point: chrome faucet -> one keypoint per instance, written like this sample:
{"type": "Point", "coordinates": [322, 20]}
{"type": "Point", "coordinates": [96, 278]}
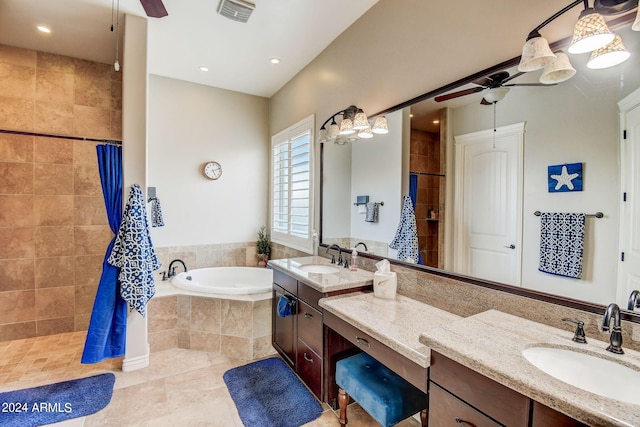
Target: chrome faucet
{"type": "Point", "coordinates": [171, 271]}
{"type": "Point", "coordinates": [363, 244]}
{"type": "Point", "coordinates": [333, 258]}
{"type": "Point", "coordinates": [634, 300]}
{"type": "Point", "coordinates": [615, 339]}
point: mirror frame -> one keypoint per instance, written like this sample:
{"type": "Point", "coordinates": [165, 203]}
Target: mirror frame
{"type": "Point", "coordinates": [625, 314]}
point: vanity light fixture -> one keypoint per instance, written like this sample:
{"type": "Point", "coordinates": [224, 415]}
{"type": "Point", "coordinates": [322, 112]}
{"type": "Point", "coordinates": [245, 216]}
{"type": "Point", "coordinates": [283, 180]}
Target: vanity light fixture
{"type": "Point", "coordinates": [353, 126]}
{"type": "Point", "coordinates": [590, 33]}
{"type": "Point", "coordinates": [612, 54]}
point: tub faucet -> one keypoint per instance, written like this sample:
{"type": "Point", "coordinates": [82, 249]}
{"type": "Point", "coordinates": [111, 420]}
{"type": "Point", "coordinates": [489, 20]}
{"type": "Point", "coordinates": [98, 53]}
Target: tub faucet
{"type": "Point", "coordinates": [333, 258]}
{"type": "Point", "coordinates": [363, 244]}
{"type": "Point", "coordinates": [615, 339]}
{"type": "Point", "coordinates": [634, 300]}
{"type": "Point", "coordinates": [171, 271]}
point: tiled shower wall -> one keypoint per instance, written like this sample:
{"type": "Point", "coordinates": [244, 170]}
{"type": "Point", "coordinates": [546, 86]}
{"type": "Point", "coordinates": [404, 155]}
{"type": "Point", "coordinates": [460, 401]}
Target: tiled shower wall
{"type": "Point", "coordinates": [53, 226]}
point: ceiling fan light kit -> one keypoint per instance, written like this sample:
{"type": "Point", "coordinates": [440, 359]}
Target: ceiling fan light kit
{"type": "Point", "coordinates": [496, 94]}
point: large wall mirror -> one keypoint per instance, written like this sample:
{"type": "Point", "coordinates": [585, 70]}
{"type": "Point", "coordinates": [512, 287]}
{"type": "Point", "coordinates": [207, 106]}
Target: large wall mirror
{"type": "Point", "coordinates": [577, 121]}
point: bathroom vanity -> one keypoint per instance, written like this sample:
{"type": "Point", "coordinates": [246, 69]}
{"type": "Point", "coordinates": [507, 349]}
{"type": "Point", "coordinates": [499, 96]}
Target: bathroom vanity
{"type": "Point", "coordinates": [302, 339]}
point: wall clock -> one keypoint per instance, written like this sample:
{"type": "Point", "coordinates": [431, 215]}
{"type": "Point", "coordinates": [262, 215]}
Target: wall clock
{"type": "Point", "coordinates": [212, 170]}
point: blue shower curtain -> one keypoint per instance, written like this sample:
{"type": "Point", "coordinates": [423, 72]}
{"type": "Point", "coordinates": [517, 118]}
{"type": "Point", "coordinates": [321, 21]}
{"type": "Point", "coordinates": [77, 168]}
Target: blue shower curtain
{"type": "Point", "coordinates": [107, 328]}
{"type": "Point", "coordinates": [413, 194]}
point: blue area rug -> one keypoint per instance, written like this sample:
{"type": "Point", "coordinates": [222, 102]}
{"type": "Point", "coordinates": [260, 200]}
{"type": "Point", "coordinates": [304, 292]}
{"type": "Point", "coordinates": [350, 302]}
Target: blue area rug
{"type": "Point", "coordinates": [53, 403]}
{"type": "Point", "coordinates": [268, 394]}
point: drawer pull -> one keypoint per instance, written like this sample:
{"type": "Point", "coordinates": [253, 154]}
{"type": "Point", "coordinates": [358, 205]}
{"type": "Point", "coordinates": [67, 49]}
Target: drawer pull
{"type": "Point", "coordinates": [363, 342]}
{"type": "Point", "coordinates": [463, 423]}
{"type": "Point", "coordinates": [307, 358]}
{"type": "Point", "coordinates": [308, 316]}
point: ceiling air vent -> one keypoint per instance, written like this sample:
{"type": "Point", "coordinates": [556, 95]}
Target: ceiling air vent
{"type": "Point", "coordinates": [238, 10]}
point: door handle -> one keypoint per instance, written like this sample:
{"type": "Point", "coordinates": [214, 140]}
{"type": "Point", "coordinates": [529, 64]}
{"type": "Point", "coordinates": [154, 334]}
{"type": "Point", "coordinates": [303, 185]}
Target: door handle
{"type": "Point", "coordinates": [307, 358]}
{"type": "Point", "coordinates": [511, 246]}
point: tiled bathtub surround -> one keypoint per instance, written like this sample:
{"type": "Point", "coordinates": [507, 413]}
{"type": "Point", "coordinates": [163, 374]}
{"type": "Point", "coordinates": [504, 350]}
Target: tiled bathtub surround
{"type": "Point", "coordinates": [239, 329]}
{"type": "Point", "coordinates": [53, 226]}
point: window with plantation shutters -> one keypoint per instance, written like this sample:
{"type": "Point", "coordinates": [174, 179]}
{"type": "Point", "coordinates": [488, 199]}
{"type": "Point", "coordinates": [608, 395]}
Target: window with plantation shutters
{"type": "Point", "coordinates": [291, 186]}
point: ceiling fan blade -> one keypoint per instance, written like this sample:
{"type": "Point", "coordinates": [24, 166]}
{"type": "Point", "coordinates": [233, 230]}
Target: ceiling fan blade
{"type": "Point", "coordinates": [154, 8]}
{"type": "Point", "coordinates": [458, 94]}
{"type": "Point", "coordinates": [530, 84]}
{"type": "Point", "coordinates": [493, 80]}
{"type": "Point", "coordinates": [513, 77]}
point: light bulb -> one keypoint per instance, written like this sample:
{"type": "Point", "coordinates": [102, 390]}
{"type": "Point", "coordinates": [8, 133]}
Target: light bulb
{"type": "Point", "coordinates": [116, 65]}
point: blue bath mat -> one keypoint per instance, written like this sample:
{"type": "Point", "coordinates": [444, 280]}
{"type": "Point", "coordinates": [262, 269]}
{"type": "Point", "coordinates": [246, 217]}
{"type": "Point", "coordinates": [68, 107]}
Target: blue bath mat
{"type": "Point", "coordinates": [53, 403]}
{"type": "Point", "coordinates": [268, 394]}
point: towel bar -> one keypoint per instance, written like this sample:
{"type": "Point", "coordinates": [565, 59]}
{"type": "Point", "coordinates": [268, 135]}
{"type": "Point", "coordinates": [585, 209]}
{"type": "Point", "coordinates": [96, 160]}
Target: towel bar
{"type": "Point", "coordinates": [377, 203]}
{"type": "Point", "coordinates": [597, 214]}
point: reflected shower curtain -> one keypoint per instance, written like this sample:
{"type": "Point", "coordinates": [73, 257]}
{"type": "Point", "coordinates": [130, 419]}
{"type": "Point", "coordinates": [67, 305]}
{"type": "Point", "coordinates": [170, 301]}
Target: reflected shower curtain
{"type": "Point", "coordinates": [413, 194]}
{"type": "Point", "coordinates": [108, 325]}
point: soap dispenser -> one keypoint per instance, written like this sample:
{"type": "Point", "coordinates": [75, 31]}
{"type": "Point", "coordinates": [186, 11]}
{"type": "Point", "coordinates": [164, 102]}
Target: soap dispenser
{"type": "Point", "coordinates": [354, 260]}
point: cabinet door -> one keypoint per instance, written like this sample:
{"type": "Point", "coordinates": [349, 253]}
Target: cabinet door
{"type": "Point", "coordinates": [446, 410]}
{"type": "Point", "coordinates": [284, 333]}
{"type": "Point", "coordinates": [543, 416]}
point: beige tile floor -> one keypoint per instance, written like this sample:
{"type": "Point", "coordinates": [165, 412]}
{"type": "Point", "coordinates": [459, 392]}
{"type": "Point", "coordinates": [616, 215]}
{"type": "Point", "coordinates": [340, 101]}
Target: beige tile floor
{"type": "Point", "coordinates": [178, 388]}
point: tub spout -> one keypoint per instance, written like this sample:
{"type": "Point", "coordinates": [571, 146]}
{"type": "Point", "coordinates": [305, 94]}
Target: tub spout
{"type": "Point", "coordinates": [171, 271]}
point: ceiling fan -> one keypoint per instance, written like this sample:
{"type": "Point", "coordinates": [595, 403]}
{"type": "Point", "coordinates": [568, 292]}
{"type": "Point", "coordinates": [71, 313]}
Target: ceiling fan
{"type": "Point", "coordinates": [154, 8]}
{"type": "Point", "coordinates": [496, 84]}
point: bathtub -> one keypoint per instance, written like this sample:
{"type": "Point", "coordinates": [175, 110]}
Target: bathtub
{"type": "Point", "coordinates": [226, 280]}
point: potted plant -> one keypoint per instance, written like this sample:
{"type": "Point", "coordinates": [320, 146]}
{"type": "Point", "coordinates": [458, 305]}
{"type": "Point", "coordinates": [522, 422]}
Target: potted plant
{"type": "Point", "coordinates": [263, 249]}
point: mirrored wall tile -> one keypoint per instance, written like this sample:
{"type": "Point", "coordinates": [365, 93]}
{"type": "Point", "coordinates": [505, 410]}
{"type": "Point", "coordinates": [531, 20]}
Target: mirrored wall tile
{"type": "Point", "coordinates": [91, 122]}
{"type": "Point", "coordinates": [53, 241]}
{"type": "Point", "coordinates": [17, 114]}
{"type": "Point", "coordinates": [91, 239]}
{"type": "Point", "coordinates": [55, 326]}
{"type": "Point", "coordinates": [16, 211]}
{"type": "Point", "coordinates": [16, 275]}
{"type": "Point", "coordinates": [17, 243]}
{"type": "Point", "coordinates": [116, 94]}
{"type": "Point", "coordinates": [93, 70]}
{"type": "Point", "coordinates": [93, 90]}
{"type": "Point", "coordinates": [55, 86]}
{"type": "Point", "coordinates": [116, 125]}
{"type": "Point", "coordinates": [53, 117]}
{"type": "Point", "coordinates": [53, 272]}
{"type": "Point", "coordinates": [53, 210]}
{"type": "Point", "coordinates": [16, 178]}
{"type": "Point", "coordinates": [89, 210]}
{"type": "Point", "coordinates": [16, 148]}
{"type": "Point", "coordinates": [53, 150]}
{"type": "Point", "coordinates": [52, 179]}
{"type": "Point", "coordinates": [17, 81]}
{"type": "Point", "coordinates": [17, 306]}
{"type": "Point", "coordinates": [54, 303]}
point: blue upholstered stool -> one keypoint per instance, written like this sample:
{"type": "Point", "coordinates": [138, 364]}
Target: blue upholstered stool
{"type": "Point", "coordinates": [386, 396]}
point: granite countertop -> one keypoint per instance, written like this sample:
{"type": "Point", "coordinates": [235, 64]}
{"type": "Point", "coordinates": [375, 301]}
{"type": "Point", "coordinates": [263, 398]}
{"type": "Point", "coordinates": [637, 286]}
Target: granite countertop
{"type": "Point", "coordinates": [323, 282]}
{"type": "Point", "coordinates": [491, 343]}
{"type": "Point", "coordinates": [397, 323]}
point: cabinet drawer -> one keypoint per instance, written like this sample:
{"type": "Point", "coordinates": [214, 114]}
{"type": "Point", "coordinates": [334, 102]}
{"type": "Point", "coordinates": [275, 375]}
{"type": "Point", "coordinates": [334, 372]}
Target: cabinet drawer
{"type": "Point", "coordinates": [445, 410]}
{"type": "Point", "coordinates": [497, 401]}
{"type": "Point", "coordinates": [310, 326]}
{"type": "Point", "coordinates": [309, 295]}
{"type": "Point", "coordinates": [285, 281]}
{"type": "Point", "coordinates": [407, 369]}
{"type": "Point", "coordinates": [544, 416]}
{"type": "Point", "coordinates": [309, 368]}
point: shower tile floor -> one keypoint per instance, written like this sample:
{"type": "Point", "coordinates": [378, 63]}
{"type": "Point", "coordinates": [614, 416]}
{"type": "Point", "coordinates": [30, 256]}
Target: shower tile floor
{"type": "Point", "coordinates": [178, 388]}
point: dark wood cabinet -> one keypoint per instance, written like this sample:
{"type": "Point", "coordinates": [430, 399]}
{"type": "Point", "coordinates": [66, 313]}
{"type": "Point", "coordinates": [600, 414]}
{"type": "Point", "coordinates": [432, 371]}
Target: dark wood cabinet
{"type": "Point", "coordinates": [284, 332]}
{"type": "Point", "coordinates": [461, 396]}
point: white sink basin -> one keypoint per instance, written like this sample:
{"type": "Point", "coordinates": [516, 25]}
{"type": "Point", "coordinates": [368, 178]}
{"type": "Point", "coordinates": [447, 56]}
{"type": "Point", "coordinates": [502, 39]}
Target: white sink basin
{"type": "Point", "coordinates": [588, 372]}
{"type": "Point", "coordinates": [319, 268]}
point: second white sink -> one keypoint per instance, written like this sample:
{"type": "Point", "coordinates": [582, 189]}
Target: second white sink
{"type": "Point", "coordinates": [319, 268]}
{"type": "Point", "coordinates": [588, 372]}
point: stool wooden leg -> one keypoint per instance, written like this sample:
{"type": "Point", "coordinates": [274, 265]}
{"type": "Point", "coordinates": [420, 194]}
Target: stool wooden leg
{"type": "Point", "coordinates": [343, 402]}
{"type": "Point", "coordinates": [423, 417]}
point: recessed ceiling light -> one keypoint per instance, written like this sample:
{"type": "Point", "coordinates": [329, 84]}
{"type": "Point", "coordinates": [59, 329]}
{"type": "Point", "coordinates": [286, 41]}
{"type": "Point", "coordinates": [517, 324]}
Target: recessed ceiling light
{"type": "Point", "coordinates": [435, 122]}
{"type": "Point", "coordinates": [274, 60]}
{"type": "Point", "coordinates": [203, 68]}
{"type": "Point", "coordinates": [43, 29]}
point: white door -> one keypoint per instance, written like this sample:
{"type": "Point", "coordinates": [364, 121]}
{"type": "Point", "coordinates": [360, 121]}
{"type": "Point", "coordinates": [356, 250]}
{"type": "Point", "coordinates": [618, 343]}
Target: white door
{"type": "Point", "coordinates": [488, 204]}
{"type": "Point", "coordinates": [629, 268]}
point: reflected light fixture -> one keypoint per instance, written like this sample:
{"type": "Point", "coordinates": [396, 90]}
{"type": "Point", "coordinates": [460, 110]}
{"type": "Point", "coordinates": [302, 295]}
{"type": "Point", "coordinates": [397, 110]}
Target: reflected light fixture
{"type": "Point", "coordinates": [44, 29]}
{"type": "Point", "coordinates": [353, 126]}
{"type": "Point", "coordinates": [612, 54]}
{"type": "Point", "coordinates": [496, 94]}
{"type": "Point", "coordinates": [558, 71]}
{"type": "Point", "coordinates": [590, 32]}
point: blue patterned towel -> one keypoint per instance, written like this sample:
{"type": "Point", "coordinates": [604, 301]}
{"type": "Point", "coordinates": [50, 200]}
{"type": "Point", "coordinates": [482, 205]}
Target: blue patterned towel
{"type": "Point", "coordinates": [406, 239]}
{"type": "Point", "coordinates": [561, 243]}
{"type": "Point", "coordinates": [156, 213]}
{"type": "Point", "coordinates": [134, 255]}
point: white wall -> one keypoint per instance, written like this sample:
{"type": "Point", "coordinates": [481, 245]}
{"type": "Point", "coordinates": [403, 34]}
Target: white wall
{"type": "Point", "coordinates": [190, 125]}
